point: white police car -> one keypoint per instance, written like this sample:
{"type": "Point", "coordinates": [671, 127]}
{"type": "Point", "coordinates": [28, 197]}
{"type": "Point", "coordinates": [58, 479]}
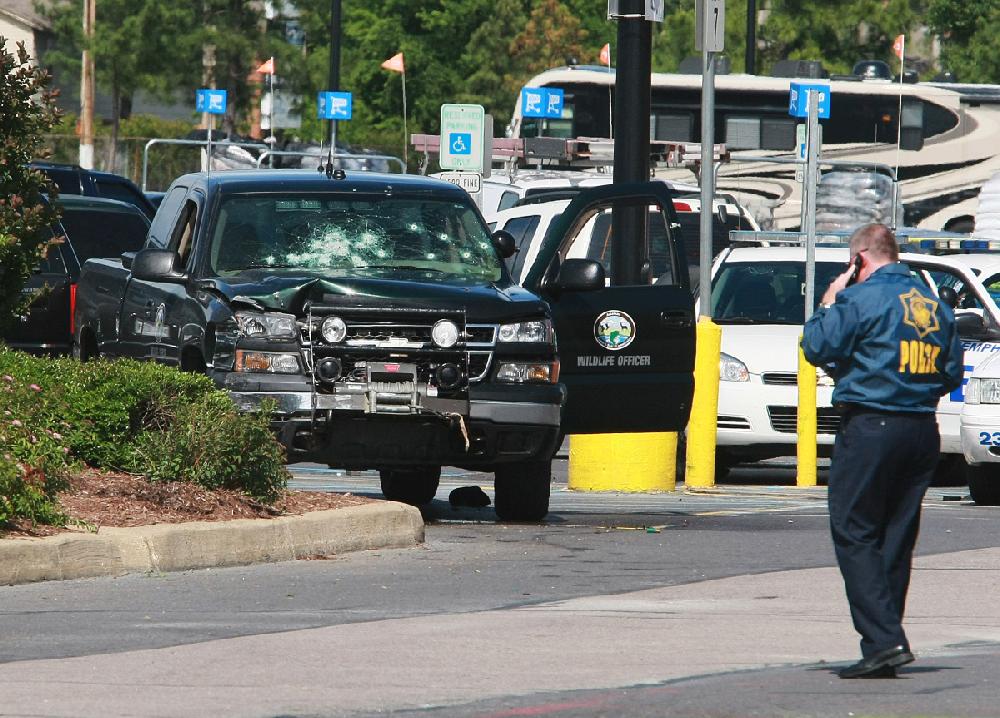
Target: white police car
{"type": "Point", "coordinates": [758, 299]}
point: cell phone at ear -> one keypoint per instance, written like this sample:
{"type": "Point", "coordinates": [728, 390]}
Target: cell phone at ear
{"type": "Point", "coordinates": [855, 270]}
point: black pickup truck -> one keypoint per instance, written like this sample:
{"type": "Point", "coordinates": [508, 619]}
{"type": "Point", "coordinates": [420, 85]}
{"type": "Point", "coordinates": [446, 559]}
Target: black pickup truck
{"type": "Point", "coordinates": [376, 313]}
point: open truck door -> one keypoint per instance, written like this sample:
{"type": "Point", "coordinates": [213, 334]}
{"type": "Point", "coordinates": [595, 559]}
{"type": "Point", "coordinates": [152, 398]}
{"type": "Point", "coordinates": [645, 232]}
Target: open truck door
{"type": "Point", "coordinates": [626, 352]}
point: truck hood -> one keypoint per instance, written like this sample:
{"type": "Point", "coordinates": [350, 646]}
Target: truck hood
{"type": "Point", "coordinates": [290, 293]}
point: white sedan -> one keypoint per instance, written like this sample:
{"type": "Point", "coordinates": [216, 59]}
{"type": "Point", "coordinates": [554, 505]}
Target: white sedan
{"type": "Point", "coordinates": [758, 299]}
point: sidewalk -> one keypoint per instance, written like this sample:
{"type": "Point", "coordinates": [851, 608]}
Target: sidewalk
{"type": "Point", "coordinates": [790, 620]}
{"type": "Point", "coordinates": [184, 546]}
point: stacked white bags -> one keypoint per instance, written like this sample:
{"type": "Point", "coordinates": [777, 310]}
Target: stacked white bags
{"type": "Point", "coordinates": [845, 200]}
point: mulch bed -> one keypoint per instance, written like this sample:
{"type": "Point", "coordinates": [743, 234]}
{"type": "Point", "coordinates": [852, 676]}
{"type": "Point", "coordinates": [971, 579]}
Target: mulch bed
{"type": "Point", "coordinates": [99, 498]}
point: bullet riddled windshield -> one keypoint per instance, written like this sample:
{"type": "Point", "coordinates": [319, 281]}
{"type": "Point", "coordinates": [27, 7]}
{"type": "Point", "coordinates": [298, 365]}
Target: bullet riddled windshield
{"type": "Point", "coordinates": [404, 238]}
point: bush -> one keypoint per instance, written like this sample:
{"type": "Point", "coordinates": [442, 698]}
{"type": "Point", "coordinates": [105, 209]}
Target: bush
{"type": "Point", "coordinates": [210, 443]}
{"type": "Point", "coordinates": [34, 461]}
{"type": "Point", "coordinates": [127, 415]}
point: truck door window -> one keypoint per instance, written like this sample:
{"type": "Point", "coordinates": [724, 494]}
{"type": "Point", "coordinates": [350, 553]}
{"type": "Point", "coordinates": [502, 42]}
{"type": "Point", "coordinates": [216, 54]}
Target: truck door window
{"type": "Point", "coordinates": [164, 222]}
{"type": "Point", "coordinates": [183, 234]}
{"type": "Point", "coordinates": [599, 242]}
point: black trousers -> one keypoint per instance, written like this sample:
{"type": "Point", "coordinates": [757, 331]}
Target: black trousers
{"type": "Point", "coordinates": [882, 465]}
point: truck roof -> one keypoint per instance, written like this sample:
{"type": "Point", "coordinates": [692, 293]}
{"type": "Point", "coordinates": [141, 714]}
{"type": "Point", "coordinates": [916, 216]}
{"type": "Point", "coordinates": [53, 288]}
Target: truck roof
{"type": "Point", "coordinates": [236, 181]}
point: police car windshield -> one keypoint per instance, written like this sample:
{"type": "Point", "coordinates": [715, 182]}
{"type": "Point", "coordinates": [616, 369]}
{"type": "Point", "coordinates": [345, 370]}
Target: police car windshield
{"type": "Point", "coordinates": [766, 292]}
{"type": "Point", "coordinates": [387, 237]}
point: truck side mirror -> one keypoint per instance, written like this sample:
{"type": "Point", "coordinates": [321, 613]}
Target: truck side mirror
{"type": "Point", "coordinates": [156, 265]}
{"type": "Point", "coordinates": [505, 243]}
{"type": "Point", "coordinates": [580, 275]}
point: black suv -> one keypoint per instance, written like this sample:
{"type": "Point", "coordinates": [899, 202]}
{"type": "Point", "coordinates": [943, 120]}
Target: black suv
{"type": "Point", "coordinates": [73, 179]}
{"type": "Point", "coordinates": [93, 227]}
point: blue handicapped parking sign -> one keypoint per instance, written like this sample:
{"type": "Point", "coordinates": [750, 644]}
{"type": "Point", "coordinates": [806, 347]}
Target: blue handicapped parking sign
{"type": "Point", "coordinates": [460, 143]}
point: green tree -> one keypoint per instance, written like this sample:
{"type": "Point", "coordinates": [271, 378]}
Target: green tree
{"type": "Point", "coordinates": [968, 31]}
{"type": "Point", "coordinates": [674, 38]}
{"type": "Point", "coordinates": [28, 113]}
{"type": "Point", "coordinates": [838, 32]}
{"type": "Point", "coordinates": [133, 46]}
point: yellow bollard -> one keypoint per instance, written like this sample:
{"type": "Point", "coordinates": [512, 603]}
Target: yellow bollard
{"type": "Point", "coordinates": [623, 462]}
{"type": "Point", "coordinates": [806, 423]}
{"type": "Point", "coordinates": [700, 463]}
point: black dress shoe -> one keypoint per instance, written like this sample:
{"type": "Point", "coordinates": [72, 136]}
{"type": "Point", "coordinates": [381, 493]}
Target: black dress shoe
{"type": "Point", "coordinates": [879, 665]}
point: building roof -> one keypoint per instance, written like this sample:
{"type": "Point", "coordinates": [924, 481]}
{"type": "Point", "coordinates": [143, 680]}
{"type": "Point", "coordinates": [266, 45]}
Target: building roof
{"type": "Point", "coordinates": [24, 10]}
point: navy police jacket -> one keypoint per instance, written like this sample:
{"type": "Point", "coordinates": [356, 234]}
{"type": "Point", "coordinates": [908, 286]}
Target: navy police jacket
{"type": "Point", "coordinates": [892, 344]}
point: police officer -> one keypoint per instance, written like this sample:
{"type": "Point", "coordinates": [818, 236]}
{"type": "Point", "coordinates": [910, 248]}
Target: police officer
{"type": "Point", "coordinates": [892, 348]}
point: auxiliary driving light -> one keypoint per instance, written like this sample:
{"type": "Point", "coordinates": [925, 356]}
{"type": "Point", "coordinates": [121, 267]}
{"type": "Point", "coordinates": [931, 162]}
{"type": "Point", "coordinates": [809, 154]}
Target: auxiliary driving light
{"type": "Point", "coordinates": [448, 376]}
{"type": "Point", "coordinates": [445, 333]}
{"type": "Point", "coordinates": [329, 370]}
{"type": "Point", "coordinates": [333, 329]}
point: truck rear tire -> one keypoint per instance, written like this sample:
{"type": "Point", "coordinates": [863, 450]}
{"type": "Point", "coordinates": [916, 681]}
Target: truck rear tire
{"type": "Point", "coordinates": [984, 484]}
{"type": "Point", "coordinates": [411, 486]}
{"type": "Point", "coordinates": [522, 490]}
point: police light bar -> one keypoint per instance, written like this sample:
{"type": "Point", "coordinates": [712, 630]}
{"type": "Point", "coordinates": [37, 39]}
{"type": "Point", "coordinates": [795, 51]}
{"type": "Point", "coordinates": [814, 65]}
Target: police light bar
{"type": "Point", "coordinates": [955, 244]}
{"type": "Point", "coordinates": [766, 238]}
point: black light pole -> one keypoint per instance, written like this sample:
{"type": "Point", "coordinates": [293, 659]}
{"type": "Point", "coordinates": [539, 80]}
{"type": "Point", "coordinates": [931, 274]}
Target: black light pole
{"type": "Point", "coordinates": [751, 52]}
{"type": "Point", "coordinates": [631, 115]}
{"type": "Point", "coordinates": [333, 83]}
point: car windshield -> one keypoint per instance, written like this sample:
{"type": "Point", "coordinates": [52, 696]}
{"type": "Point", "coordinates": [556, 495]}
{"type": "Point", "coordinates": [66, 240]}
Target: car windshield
{"type": "Point", "coordinates": [766, 292]}
{"type": "Point", "coordinates": [384, 237]}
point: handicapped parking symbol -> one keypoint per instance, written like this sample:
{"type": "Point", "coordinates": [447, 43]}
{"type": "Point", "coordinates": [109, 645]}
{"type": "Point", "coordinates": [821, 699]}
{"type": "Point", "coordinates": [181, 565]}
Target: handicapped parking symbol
{"type": "Point", "coordinates": [460, 143]}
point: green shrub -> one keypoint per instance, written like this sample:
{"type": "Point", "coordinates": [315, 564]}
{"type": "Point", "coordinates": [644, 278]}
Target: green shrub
{"type": "Point", "coordinates": [210, 443]}
{"type": "Point", "coordinates": [34, 458]}
{"type": "Point", "coordinates": [140, 417]}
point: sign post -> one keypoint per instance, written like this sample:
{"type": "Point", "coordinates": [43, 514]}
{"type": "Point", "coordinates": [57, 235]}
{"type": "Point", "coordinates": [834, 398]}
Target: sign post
{"type": "Point", "coordinates": [811, 101]}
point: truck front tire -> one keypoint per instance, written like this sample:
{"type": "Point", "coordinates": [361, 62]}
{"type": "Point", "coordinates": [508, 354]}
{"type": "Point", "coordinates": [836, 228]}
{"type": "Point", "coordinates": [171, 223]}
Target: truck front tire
{"type": "Point", "coordinates": [522, 490]}
{"type": "Point", "coordinates": [410, 486]}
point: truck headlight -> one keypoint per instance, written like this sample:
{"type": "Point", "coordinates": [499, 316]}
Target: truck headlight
{"type": "Point", "coordinates": [267, 362]}
{"type": "Point", "coordinates": [982, 391]}
{"type": "Point", "coordinates": [528, 373]}
{"type": "Point", "coordinates": [537, 331]}
{"type": "Point", "coordinates": [732, 369]}
{"type": "Point", "coordinates": [267, 325]}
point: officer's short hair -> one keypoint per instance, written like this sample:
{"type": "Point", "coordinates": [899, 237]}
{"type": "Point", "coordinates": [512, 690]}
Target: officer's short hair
{"type": "Point", "coordinates": [876, 239]}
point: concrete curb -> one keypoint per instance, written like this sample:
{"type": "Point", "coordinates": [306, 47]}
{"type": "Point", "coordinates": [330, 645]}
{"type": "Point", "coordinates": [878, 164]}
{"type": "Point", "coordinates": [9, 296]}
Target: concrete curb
{"type": "Point", "coordinates": [179, 547]}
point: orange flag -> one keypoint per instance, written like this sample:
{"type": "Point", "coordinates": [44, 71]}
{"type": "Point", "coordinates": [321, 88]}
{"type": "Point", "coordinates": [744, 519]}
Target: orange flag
{"type": "Point", "coordinates": [395, 63]}
{"type": "Point", "coordinates": [606, 54]}
{"type": "Point", "coordinates": [267, 68]}
{"type": "Point", "coordinates": [898, 46]}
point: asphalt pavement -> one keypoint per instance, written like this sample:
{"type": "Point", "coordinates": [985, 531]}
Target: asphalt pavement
{"type": "Point", "coordinates": [755, 643]}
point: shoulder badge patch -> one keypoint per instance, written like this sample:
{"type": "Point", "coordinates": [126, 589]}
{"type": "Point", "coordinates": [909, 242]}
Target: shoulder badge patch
{"type": "Point", "coordinates": [920, 312]}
